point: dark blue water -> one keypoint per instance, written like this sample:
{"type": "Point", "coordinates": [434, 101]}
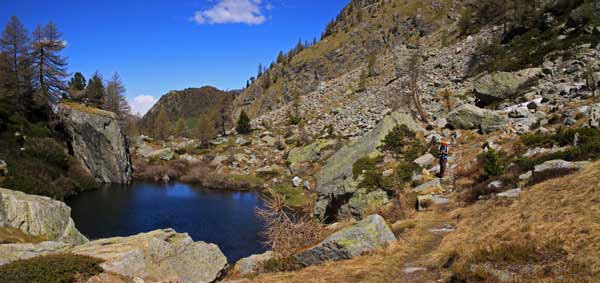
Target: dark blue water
{"type": "Point", "coordinates": [224, 218]}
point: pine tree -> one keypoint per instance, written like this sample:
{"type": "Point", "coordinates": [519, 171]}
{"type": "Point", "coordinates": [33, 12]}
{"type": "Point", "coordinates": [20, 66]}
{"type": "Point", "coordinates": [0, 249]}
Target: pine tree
{"type": "Point", "coordinates": [14, 43]}
{"type": "Point", "coordinates": [95, 91]}
{"type": "Point", "coordinates": [115, 100]}
{"type": "Point", "coordinates": [50, 68]}
{"type": "Point", "coordinates": [243, 124]}
{"type": "Point", "coordinates": [77, 82]}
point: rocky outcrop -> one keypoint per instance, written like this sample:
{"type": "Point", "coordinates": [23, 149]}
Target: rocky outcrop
{"type": "Point", "coordinates": [471, 117]}
{"type": "Point", "coordinates": [252, 264]}
{"type": "Point", "coordinates": [335, 183]}
{"type": "Point", "coordinates": [366, 235]}
{"type": "Point", "coordinates": [98, 141]}
{"type": "Point", "coordinates": [502, 85]}
{"type": "Point", "coordinates": [38, 216]}
{"type": "Point", "coordinates": [158, 255]}
{"type": "Point", "coordinates": [14, 252]}
{"type": "Point", "coordinates": [559, 165]}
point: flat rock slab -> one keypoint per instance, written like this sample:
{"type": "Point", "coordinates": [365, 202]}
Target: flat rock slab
{"type": "Point", "coordinates": [158, 255]}
{"type": "Point", "coordinates": [14, 252]}
{"type": "Point", "coordinates": [367, 235]}
{"type": "Point", "coordinates": [433, 186]}
{"type": "Point", "coordinates": [558, 165]}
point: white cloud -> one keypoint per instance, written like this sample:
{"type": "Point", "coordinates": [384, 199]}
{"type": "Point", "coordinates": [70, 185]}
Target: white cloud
{"type": "Point", "coordinates": [141, 104]}
{"type": "Point", "coordinates": [233, 12]}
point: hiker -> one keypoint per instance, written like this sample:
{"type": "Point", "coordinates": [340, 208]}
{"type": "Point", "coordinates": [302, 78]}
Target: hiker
{"type": "Point", "coordinates": [443, 155]}
{"type": "Point", "coordinates": [20, 141]}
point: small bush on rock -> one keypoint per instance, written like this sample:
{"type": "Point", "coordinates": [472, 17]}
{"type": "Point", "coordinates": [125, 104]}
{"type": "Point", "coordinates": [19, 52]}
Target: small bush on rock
{"type": "Point", "coordinates": [399, 137]}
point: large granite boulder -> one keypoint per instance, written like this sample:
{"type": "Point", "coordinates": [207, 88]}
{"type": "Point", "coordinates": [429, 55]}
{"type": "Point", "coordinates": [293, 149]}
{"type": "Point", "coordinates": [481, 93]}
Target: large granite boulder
{"type": "Point", "coordinates": [498, 86]}
{"type": "Point", "coordinates": [157, 256]}
{"type": "Point", "coordinates": [471, 117]}
{"type": "Point", "coordinates": [252, 264]}
{"type": "Point", "coordinates": [38, 216]}
{"type": "Point", "coordinates": [367, 235]}
{"type": "Point", "coordinates": [14, 252]}
{"type": "Point", "coordinates": [335, 185]}
{"type": "Point", "coordinates": [96, 139]}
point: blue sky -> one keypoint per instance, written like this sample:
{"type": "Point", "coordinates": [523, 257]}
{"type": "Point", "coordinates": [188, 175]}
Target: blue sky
{"type": "Point", "coordinates": [161, 45]}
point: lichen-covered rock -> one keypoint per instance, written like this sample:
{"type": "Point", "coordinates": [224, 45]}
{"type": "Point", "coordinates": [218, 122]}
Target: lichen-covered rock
{"type": "Point", "coordinates": [311, 152]}
{"type": "Point", "coordinates": [158, 255]}
{"type": "Point", "coordinates": [501, 85]}
{"type": "Point", "coordinates": [426, 160]}
{"type": "Point", "coordinates": [471, 117]}
{"type": "Point", "coordinates": [97, 140]}
{"type": "Point", "coordinates": [559, 165]}
{"type": "Point", "coordinates": [335, 183]}
{"type": "Point", "coordinates": [162, 154]}
{"type": "Point", "coordinates": [367, 235]}
{"type": "Point", "coordinates": [363, 200]}
{"type": "Point", "coordinates": [14, 252]}
{"type": "Point", "coordinates": [252, 264]}
{"type": "Point", "coordinates": [38, 216]}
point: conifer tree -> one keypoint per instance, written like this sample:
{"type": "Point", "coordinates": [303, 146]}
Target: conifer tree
{"type": "Point", "coordinates": [243, 124]}
{"type": "Point", "coordinates": [77, 82]}
{"type": "Point", "coordinates": [95, 91]}
{"type": "Point", "coordinates": [14, 43]}
{"type": "Point", "coordinates": [115, 100]}
{"type": "Point", "coordinates": [50, 68]}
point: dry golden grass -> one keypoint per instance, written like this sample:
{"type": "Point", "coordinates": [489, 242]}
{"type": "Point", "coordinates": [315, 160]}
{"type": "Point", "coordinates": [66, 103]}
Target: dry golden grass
{"type": "Point", "coordinates": [10, 235]}
{"type": "Point", "coordinates": [377, 267]}
{"type": "Point", "coordinates": [564, 210]}
{"type": "Point", "coordinates": [87, 109]}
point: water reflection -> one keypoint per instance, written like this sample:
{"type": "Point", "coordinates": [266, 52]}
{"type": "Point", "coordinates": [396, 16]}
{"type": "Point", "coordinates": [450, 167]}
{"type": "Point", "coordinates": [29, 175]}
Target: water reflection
{"type": "Point", "coordinates": [224, 218]}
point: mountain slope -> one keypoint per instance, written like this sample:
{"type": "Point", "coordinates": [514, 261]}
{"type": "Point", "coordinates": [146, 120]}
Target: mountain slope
{"type": "Point", "coordinates": [349, 42]}
{"type": "Point", "coordinates": [188, 104]}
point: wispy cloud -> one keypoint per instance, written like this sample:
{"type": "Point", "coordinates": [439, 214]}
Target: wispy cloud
{"type": "Point", "coordinates": [141, 104]}
{"type": "Point", "coordinates": [233, 12]}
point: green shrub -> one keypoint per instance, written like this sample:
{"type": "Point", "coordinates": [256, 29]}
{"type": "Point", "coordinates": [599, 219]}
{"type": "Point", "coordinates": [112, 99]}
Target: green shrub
{"type": "Point", "coordinates": [494, 163]}
{"type": "Point", "coordinates": [293, 119]}
{"type": "Point", "coordinates": [405, 171]}
{"type": "Point", "coordinates": [60, 268]}
{"type": "Point", "coordinates": [399, 137]}
{"type": "Point", "coordinates": [39, 130]}
{"type": "Point", "coordinates": [243, 125]}
{"type": "Point", "coordinates": [49, 151]}
{"type": "Point", "coordinates": [365, 164]}
{"type": "Point", "coordinates": [588, 146]}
